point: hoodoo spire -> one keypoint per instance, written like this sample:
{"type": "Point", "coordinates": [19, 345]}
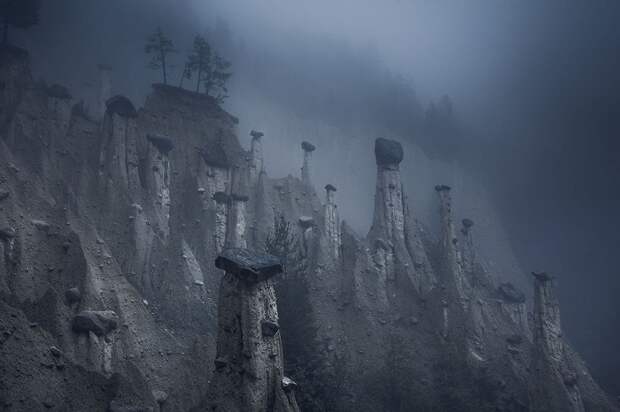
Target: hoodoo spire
{"type": "Point", "coordinates": [307, 148]}
{"type": "Point", "coordinates": [249, 366]}
{"type": "Point", "coordinates": [256, 155]}
{"type": "Point", "coordinates": [239, 195]}
{"type": "Point", "coordinates": [332, 221]}
{"type": "Point", "coordinates": [555, 386]}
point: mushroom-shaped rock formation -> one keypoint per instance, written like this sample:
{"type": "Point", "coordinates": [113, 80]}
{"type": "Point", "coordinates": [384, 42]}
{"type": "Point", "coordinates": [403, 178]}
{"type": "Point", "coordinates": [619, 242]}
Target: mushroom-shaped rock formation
{"type": "Point", "coordinates": [388, 152]}
{"type": "Point", "coordinates": [248, 373]}
{"type": "Point", "coordinates": [256, 134]}
{"type": "Point", "coordinates": [308, 148]}
{"type": "Point", "coordinates": [442, 188]}
{"type": "Point", "coordinates": [542, 276]}
{"type": "Point", "coordinates": [467, 223]}
{"type": "Point", "coordinates": [163, 144]}
{"type": "Point", "coordinates": [330, 188]}
{"type": "Point", "coordinates": [121, 106]}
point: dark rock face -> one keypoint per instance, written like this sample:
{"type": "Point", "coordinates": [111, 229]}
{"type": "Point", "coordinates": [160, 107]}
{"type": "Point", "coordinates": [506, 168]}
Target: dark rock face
{"type": "Point", "coordinates": [388, 152]}
{"type": "Point", "coordinates": [98, 322]}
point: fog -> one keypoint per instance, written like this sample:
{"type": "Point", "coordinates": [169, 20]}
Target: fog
{"type": "Point", "coordinates": [534, 87]}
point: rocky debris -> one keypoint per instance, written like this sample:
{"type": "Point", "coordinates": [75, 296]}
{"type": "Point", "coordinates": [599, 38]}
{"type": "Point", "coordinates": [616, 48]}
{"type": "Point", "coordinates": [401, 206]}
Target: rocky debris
{"type": "Point", "coordinates": [510, 293]}
{"type": "Point", "coordinates": [121, 106]}
{"type": "Point", "coordinates": [55, 351]}
{"type": "Point", "coordinates": [163, 144]}
{"type": "Point", "coordinates": [58, 92]}
{"type": "Point", "coordinates": [98, 322]}
{"type": "Point", "coordinates": [388, 152]}
{"type": "Point", "coordinates": [248, 366]}
{"type": "Point", "coordinates": [248, 266]}
{"type": "Point", "coordinates": [73, 295]}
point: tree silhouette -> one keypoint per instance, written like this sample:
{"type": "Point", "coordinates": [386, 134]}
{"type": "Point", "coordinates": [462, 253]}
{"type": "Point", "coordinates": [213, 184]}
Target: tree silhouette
{"type": "Point", "coordinates": [18, 13]}
{"type": "Point", "coordinates": [212, 69]}
{"type": "Point", "coordinates": [160, 47]}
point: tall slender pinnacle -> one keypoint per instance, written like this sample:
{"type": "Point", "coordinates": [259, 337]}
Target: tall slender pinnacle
{"type": "Point", "coordinates": [555, 385]}
{"type": "Point", "coordinates": [256, 155]}
{"type": "Point", "coordinates": [332, 221]}
{"type": "Point", "coordinates": [105, 88]}
{"type": "Point", "coordinates": [389, 215]}
{"type": "Point", "coordinates": [237, 215]}
{"type": "Point", "coordinates": [307, 148]}
{"type": "Point", "coordinates": [249, 365]}
{"type": "Point", "coordinates": [451, 253]}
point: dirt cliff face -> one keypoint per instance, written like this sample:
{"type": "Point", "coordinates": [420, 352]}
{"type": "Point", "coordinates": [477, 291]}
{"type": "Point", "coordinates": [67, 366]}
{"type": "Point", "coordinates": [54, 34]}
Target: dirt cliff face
{"type": "Point", "coordinates": [109, 230]}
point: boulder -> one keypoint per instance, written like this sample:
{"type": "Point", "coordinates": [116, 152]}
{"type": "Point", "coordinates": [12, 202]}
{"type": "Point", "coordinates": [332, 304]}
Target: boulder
{"type": "Point", "coordinates": [221, 197]}
{"type": "Point", "coordinates": [388, 152]}
{"type": "Point", "coordinates": [247, 265]}
{"type": "Point", "coordinates": [306, 221]}
{"type": "Point", "coordinates": [330, 188]}
{"type": "Point", "coordinates": [442, 188]}
{"type": "Point", "coordinates": [4, 194]}
{"type": "Point", "coordinates": [269, 328]}
{"type": "Point", "coordinates": [121, 106]}
{"type": "Point", "coordinates": [307, 146]}
{"type": "Point", "coordinates": [98, 322]}
{"type": "Point", "coordinates": [256, 134]}
{"type": "Point", "coordinates": [467, 223]}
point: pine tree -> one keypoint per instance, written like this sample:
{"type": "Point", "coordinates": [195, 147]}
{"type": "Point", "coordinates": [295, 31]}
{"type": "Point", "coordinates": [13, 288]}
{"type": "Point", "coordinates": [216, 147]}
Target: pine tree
{"type": "Point", "coordinates": [211, 68]}
{"type": "Point", "coordinates": [18, 13]}
{"type": "Point", "coordinates": [160, 47]}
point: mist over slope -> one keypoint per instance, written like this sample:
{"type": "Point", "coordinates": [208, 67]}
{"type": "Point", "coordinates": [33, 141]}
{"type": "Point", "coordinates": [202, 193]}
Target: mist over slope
{"type": "Point", "coordinates": [535, 87]}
